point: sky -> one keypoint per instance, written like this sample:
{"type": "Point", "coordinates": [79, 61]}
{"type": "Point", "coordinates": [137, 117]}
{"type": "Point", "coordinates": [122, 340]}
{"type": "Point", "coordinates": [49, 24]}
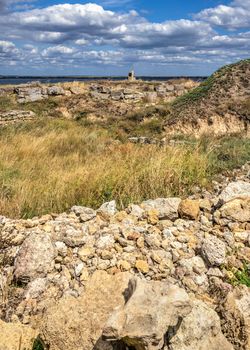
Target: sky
{"type": "Point", "coordinates": [109, 37]}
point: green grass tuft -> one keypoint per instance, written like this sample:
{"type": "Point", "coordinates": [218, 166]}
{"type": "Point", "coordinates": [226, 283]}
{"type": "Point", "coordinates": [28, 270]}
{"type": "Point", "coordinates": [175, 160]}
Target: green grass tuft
{"type": "Point", "coordinates": [38, 345]}
{"type": "Point", "coordinates": [241, 276]}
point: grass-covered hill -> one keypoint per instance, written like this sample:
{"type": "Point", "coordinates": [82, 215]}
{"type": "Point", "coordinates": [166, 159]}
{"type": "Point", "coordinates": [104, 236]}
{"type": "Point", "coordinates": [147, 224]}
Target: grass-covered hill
{"type": "Point", "coordinates": [221, 103]}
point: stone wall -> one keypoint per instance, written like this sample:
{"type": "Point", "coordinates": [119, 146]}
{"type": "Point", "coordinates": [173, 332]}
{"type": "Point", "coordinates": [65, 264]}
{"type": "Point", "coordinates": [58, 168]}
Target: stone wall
{"type": "Point", "coordinates": [14, 116]}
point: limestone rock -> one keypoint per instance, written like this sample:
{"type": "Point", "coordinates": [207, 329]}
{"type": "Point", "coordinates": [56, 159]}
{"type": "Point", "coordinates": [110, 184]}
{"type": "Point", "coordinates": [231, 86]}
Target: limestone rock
{"type": "Point", "coordinates": [236, 210]}
{"type": "Point", "coordinates": [35, 257]}
{"type": "Point", "coordinates": [15, 336]}
{"type": "Point", "coordinates": [142, 266]}
{"type": "Point", "coordinates": [236, 314]}
{"type": "Point", "coordinates": [214, 250]}
{"type": "Point", "coordinates": [151, 308]}
{"type": "Point", "coordinates": [234, 190]}
{"type": "Point", "coordinates": [189, 209]}
{"type": "Point", "coordinates": [76, 324]}
{"type": "Point", "coordinates": [200, 329]}
{"type": "Point", "coordinates": [107, 209]}
{"type": "Point", "coordinates": [55, 90]}
{"type": "Point", "coordinates": [77, 90]}
{"type": "Point", "coordinates": [73, 237]}
{"type": "Point", "coordinates": [194, 264]}
{"type": "Point", "coordinates": [167, 207]}
{"type": "Point", "coordinates": [84, 213]}
{"type": "Point", "coordinates": [30, 93]}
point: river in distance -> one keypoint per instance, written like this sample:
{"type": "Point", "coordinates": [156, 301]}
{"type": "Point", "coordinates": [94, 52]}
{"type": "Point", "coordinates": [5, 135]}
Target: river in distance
{"type": "Point", "coordinates": [16, 80]}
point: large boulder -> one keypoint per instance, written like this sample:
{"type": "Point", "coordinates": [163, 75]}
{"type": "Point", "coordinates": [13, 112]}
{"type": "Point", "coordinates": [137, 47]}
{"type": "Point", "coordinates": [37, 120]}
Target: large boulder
{"type": "Point", "coordinates": [199, 330]}
{"type": "Point", "coordinates": [152, 308]}
{"type": "Point", "coordinates": [77, 323]}
{"type": "Point", "coordinates": [15, 336]}
{"type": "Point", "coordinates": [35, 257]}
{"type": "Point", "coordinates": [167, 208]}
{"type": "Point", "coordinates": [235, 190]}
{"type": "Point", "coordinates": [30, 93]}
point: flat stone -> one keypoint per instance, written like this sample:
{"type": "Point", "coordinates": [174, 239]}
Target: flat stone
{"type": "Point", "coordinates": [235, 190]}
{"type": "Point", "coordinates": [84, 213]}
{"type": "Point", "coordinates": [166, 207]}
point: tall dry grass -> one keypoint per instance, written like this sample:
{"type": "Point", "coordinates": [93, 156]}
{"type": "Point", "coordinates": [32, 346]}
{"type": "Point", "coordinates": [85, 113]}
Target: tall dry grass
{"type": "Point", "coordinates": [48, 166]}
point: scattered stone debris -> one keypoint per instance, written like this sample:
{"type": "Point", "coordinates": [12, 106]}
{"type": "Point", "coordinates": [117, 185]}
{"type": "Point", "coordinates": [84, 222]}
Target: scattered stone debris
{"type": "Point", "coordinates": [88, 272]}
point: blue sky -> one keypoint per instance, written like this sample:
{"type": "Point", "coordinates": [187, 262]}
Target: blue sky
{"type": "Point", "coordinates": [107, 37]}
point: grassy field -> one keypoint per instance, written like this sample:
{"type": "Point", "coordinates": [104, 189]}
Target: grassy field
{"type": "Point", "coordinates": [49, 165]}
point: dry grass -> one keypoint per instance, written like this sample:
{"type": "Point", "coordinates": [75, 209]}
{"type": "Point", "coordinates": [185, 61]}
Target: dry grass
{"type": "Point", "coordinates": [50, 165]}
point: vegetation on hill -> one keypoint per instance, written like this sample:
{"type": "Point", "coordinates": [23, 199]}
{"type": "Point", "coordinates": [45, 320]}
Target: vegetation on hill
{"type": "Point", "coordinates": [52, 163]}
{"type": "Point", "coordinates": [49, 165]}
{"type": "Point", "coordinates": [226, 87]}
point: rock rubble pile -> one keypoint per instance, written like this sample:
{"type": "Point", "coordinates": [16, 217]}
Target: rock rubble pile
{"type": "Point", "coordinates": [159, 275]}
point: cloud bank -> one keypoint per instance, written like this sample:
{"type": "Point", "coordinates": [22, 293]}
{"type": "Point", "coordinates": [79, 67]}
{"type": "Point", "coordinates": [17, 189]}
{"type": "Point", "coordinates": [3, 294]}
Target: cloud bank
{"type": "Point", "coordinates": [87, 36]}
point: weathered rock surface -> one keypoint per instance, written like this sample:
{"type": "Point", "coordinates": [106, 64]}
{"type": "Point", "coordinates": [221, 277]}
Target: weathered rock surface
{"type": "Point", "coordinates": [236, 210]}
{"type": "Point", "coordinates": [144, 320]}
{"type": "Point", "coordinates": [77, 323]}
{"type": "Point", "coordinates": [55, 91]}
{"type": "Point", "coordinates": [189, 209]}
{"type": "Point", "coordinates": [15, 336]}
{"type": "Point", "coordinates": [35, 258]}
{"type": "Point", "coordinates": [236, 314]}
{"type": "Point", "coordinates": [214, 250]}
{"type": "Point", "coordinates": [167, 208]}
{"type": "Point", "coordinates": [84, 213]}
{"type": "Point", "coordinates": [30, 93]}
{"type": "Point", "coordinates": [108, 209]}
{"type": "Point", "coordinates": [234, 190]}
{"type": "Point", "coordinates": [200, 329]}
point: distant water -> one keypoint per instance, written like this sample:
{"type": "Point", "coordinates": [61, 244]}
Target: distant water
{"type": "Point", "coordinates": [15, 80]}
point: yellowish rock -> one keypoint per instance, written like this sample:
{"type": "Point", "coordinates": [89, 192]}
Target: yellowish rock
{"type": "Point", "coordinates": [153, 216]}
{"type": "Point", "coordinates": [142, 266]}
{"type": "Point", "coordinates": [118, 248]}
{"type": "Point", "coordinates": [140, 242]}
{"type": "Point", "coordinates": [189, 209]}
{"type": "Point", "coordinates": [86, 252]}
{"type": "Point", "coordinates": [121, 215]}
{"type": "Point", "coordinates": [15, 336]}
{"type": "Point", "coordinates": [124, 265]}
{"type": "Point", "coordinates": [84, 275]}
{"type": "Point", "coordinates": [107, 255]}
{"type": "Point", "coordinates": [156, 257]}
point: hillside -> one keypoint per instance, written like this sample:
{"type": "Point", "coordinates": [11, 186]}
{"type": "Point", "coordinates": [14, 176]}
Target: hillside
{"type": "Point", "coordinates": [113, 237]}
{"type": "Point", "coordinates": [219, 105]}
